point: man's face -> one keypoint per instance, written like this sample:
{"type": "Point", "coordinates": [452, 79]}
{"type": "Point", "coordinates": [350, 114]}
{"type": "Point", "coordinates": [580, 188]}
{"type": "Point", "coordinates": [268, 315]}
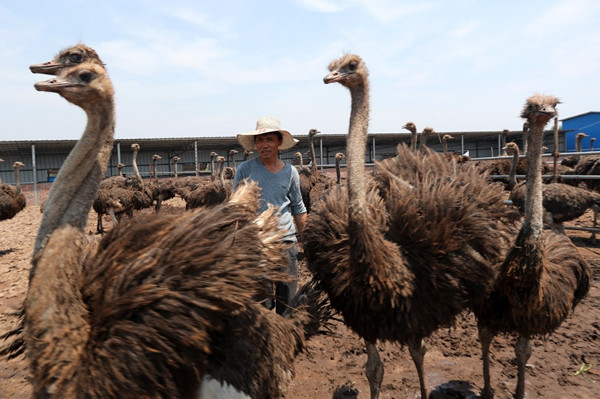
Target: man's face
{"type": "Point", "coordinates": [267, 144]}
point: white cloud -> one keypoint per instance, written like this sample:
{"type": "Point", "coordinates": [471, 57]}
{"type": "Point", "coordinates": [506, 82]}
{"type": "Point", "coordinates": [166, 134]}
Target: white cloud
{"type": "Point", "coordinates": [324, 6]}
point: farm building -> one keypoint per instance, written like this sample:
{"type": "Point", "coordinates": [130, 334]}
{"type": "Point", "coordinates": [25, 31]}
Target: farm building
{"type": "Point", "coordinates": [588, 123]}
{"type": "Point", "coordinates": [43, 158]}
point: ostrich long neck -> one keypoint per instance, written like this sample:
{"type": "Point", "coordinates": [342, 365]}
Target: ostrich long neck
{"type": "Point", "coordinates": [135, 166]}
{"type": "Point", "coordinates": [313, 156]}
{"type": "Point", "coordinates": [413, 140]}
{"type": "Point", "coordinates": [56, 335]}
{"type": "Point", "coordinates": [175, 169]}
{"type": "Point", "coordinates": [533, 205]}
{"type": "Point", "coordinates": [356, 151]}
{"type": "Point", "coordinates": [512, 177]}
{"type": "Point", "coordinates": [74, 189]}
{"type": "Point", "coordinates": [17, 180]}
{"type": "Point", "coordinates": [212, 168]}
{"type": "Point", "coordinates": [155, 169]}
{"type": "Point", "coordinates": [338, 173]}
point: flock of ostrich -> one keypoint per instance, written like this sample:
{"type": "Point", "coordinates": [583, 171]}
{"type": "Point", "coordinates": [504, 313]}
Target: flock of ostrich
{"type": "Point", "coordinates": [166, 306]}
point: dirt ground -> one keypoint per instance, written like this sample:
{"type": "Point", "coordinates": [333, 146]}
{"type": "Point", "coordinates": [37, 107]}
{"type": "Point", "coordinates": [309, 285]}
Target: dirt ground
{"type": "Point", "coordinates": [557, 367]}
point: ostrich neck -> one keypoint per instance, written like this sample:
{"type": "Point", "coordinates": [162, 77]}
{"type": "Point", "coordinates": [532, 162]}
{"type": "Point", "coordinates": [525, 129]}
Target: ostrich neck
{"type": "Point", "coordinates": [212, 169]}
{"type": "Point", "coordinates": [534, 211]}
{"type": "Point", "coordinates": [175, 170]}
{"type": "Point", "coordinates": [54, 334]}
{"type": "Point", "coordinates": [512, 178]}
{"type": "Point", "coordinates": [413, 141]}
{"type": "Point", "coordinates": [313, 156]}
{"type": "Point", "coordinates": [221, 177]}
{"type": "Point", "coordinates": [423, 143]}
{"type": "Point", "coordinates": [154, 168]}
{"type": "Point", "coordinates": [356, 150]}
{"type": "Point", "coordinates": [76, 184]}
{"type": "Point", "coordinates": [17, 181]}
{"type": "Point", "coordinates": [338, 173]}
{"type": "Point", "coordinates": [135, 166]}
{"type": "Point", "coordinates": [445, 147]}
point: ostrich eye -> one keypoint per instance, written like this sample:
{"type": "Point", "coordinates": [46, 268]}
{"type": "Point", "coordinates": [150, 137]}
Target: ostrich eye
{"type": "Point", "coordinates": [76, 57]}
{"type": "Point", "coordinates": [352, 67]}
{"type": "Point", "coordinates": [86, 77]}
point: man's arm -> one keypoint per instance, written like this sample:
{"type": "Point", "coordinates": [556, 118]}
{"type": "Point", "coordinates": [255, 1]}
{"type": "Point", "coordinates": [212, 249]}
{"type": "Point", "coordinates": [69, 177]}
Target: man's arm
{"type": "Point", "coordinates": [300, 221]}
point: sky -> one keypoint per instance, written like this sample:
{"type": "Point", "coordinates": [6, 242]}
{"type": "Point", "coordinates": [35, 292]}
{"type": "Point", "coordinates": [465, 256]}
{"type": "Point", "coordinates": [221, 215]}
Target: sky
{"type": "Point", "coordinates": [212, 68]}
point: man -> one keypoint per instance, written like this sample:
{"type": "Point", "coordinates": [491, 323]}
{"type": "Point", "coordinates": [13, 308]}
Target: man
{"type": "Point", "coordinates": [280, 186]}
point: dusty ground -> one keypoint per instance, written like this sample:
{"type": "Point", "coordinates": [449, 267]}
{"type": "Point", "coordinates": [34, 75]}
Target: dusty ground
{"type": "Point", "coordinates": [453, 357]}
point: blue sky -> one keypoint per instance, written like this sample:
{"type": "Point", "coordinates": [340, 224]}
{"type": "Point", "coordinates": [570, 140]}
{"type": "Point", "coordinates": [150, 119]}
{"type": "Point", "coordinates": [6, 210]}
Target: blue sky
{"type": "Point", "coordinates": [212, 68]}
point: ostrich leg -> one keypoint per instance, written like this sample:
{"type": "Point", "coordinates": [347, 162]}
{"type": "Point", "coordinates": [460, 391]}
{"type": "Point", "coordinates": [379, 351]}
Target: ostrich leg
{"type": "Point", "coordinates": [523, 352]}
{"type": "Point", "coordinates": [374, 369]}
{"type": "Point", "coordinates": [417, 350]}
{"type": "Point", "coordinates": [485, 337]}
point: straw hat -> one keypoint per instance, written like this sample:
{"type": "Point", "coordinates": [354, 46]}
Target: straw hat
{"type": "Point", "coordinates": [266, 124]}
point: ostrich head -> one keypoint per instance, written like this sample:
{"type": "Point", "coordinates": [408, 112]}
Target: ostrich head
{"type": "Point", "coordinates": [18, 165]}
{"type": "Point", "coordinates": [339, 156]}
{"type": "Point", "coordinates": [428, 131]}
{"type": "Point", "coordinates": [313, 132]}
{"type": "Point", "coordinates": [232, 153]}
{"type": "Point", "coordinates": [84, 86]}
{"type": "Point", "coordinates": [176, 159]}
{"type": "Point", "coordinates": [539, 109]}
{"type": "Point", "coordinates": [213, 155]}
{"type": "Point", "coordinates": [511, 148]}
{"type": "Point", "coordinates": [156, 157]}
{"type": "Point", "coordinates": [348, 70]}
{"type": "Point", "coordinates": [447, 137]}
{"type": "Point", "coordinates": [73, 56]}
{"type": "Point", "coordinates": [135, 147]}
{"type": "Point", "coordinates": [411, 127]}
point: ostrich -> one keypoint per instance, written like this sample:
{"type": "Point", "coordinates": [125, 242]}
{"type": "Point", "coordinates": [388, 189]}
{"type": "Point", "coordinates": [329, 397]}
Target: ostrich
{"type": "Point", "coordinates": [592, 139]}
{"type": "Point", "coordinates": [159, 308]}
{"type": "Point", "coordinates": [512, 149]}
{"type": "Point", "coordinates": [161, 190]}
{"type": "Point", "coordinates": [399, 260]}
{"type": "Point", "coordinates": [176, 159]}
{"type": "Point", "coordinates": [525, 136]}
{"type": "Point", "coordinates": [120, 167]}
{"type": "Point", "coordinates": [503, 140]}
{"type": "Point", "coordinates": [311, 177]}
{"type": "Point", "coordinates": [300, 167]}
{"type": "Point", "coordinates": [12, 200]}
{"type": "Point", "coordinates": [120, 196]}
{"type": "Point", "coordinates": [561, 202]}
{"type": "Point", "coordinates": [247, 154]}
{"type": "Point", "coordinates": [338, 174]}
{"type": "Point", "coordinates": [211, 193]}
{"type": "Point", "coordinates": [428, 131]}
{"type": "Point", "coordinates": [445, 139]}
{"type": "Point", "coordinates": [543, 276]}
{"type": "Point", "coordinates": [229, 171]}
{"type": "Point", "coordinates": [572, 160]}
{"type": "Point", "coordinates": [412, 128]}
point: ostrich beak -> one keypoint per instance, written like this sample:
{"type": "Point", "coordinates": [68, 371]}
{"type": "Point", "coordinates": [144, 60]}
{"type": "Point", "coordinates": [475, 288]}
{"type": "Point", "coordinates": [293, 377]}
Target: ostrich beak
{"type": "Point", "coordinates": [54, 85]}
{"type": "Point", "coordinates": [48, 68]}
{"type": "Point", "coordinates": [334, 76]}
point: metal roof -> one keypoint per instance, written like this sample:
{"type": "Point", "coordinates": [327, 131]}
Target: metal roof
{"type": "Point", "coordinates": [214, 143]}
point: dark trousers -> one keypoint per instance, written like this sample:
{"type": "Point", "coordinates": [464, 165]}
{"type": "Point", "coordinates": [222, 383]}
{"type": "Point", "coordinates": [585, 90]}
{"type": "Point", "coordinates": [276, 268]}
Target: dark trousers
{"type": "Point", "coordinates": [284, 292]}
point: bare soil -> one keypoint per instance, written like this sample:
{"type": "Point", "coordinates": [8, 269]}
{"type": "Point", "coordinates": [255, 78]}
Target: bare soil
{"type": "Point", "coordinates": [452, 363]}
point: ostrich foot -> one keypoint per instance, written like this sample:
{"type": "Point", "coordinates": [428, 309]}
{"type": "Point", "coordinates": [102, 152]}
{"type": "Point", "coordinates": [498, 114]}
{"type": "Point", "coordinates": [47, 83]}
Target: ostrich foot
{"type": "Point", "coordinates": [417, 350]}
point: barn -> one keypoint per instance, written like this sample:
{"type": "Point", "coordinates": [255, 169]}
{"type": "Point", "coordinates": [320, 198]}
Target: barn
{"type": "Point", "coordinates": [588, 123]}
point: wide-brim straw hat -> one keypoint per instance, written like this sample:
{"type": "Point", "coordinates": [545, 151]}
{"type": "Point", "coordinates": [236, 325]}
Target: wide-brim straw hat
{"type": "Point", "coordinates": [266, 124]}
